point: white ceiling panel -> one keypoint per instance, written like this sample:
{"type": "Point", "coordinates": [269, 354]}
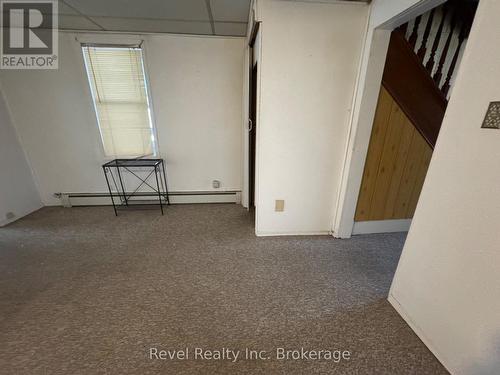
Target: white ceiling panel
{"type": "Point", "coordinates": [76, 23]}
{"type": "Point", "coordinates": [204, 17]}
{"type": "Point", "coordinates": [186, 10]}
{"type": "Point", "coordinates": [65, 9]}
{"type": "Point", "coordinates": [230, 28]}
{"type": "Point", "coordinates": [230, 10]}
{"type": "Point", "coordinates": [153, 26]}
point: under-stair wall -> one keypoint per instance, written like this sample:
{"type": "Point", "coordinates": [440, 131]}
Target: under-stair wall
{"type": "Point", "coordinates": [395, 169]}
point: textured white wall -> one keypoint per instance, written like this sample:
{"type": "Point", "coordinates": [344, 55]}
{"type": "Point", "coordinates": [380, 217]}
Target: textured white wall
{"type": "Point", "coordinates": [309, 62]}
{"type": "Point", "coordinates": [196, 85]}
{"type": "Point", "coordinates": [447, 285]}
{"type": "Point", "coordinates": [18, 192]}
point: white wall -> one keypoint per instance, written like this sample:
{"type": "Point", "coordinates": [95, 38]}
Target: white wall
{"type": "Point", "coordinates": [196, 85]}
{"type": "Point", "coordinates": [18, 193]}
{"type": "Point", "coordinates": [447, 285]}
{"type": "Point", "coordinates": [309, 60]}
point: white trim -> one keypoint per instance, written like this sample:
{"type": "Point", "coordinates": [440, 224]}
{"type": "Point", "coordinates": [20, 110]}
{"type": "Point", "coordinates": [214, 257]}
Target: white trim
{"type": "Point", "coordinates": [364, 108]}
{"type": "Point", "coordinates": [274, 234]}
{"type": "Point", "coordinates": [381, 226]}
{"type": "Point", "coordinates": [141, 33]}
{"type": "Point", "coordinates": [351, 129]}
{"type": "Point", "coordinates": [149, 97]}
{"type": "Point", "coordinates": [411, 13]}
{"type": "Point", "coordinates": [419, 332]}
{"type": "Point", "coordinates": [258, 131]}
{"type": "Point", "coordinates": [333, 2]}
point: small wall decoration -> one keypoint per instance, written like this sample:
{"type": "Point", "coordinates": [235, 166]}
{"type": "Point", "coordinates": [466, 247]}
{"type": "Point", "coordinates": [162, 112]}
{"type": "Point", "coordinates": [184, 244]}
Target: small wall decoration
{"type": "Point", "coordinates": [492, 118]}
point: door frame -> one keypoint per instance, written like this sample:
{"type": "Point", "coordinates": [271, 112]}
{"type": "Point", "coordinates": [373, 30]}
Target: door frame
{"type": "Point", "coordinates": [254, 35]}
{"type": "Point", "coordinates": [363, 113]}
{"type": "Point", "coordinates": [252, 133]}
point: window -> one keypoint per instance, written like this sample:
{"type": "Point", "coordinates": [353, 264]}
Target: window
{"type": "Point", "coordinates": [118, 84]}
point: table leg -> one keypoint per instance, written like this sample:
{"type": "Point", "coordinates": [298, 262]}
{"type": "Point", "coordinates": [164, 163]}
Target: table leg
{"type": "Point", "coordinates": [109, 189]}
{"type": "Point", "coordinates": [165, 180]}
{"type": "Point", "coordinates": [158, 187]}
{"type": "Point", "coordinates": [121, 184]}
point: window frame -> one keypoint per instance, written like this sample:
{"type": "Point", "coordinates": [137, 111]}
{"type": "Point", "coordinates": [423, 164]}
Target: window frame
{"type": "Point", "coordinates": [149, 98]}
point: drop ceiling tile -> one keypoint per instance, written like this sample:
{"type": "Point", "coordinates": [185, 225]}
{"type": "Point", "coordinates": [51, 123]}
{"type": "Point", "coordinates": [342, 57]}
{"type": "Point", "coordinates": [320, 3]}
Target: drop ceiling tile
{"type": "Point", "coordinates": [65, 9]}
{"type": "Point", "coordinates": [230, 10]}
{"type": "Point", "coordinates": [153, 26]}
{"type": "Point", "coordinates": [186, 10]}
{"type": "Point", "coordinates": [62, 8]}
{"type": "Point", "coordinates": [230, 28]}
{"type": "Point", "coordinates": [76, 23]}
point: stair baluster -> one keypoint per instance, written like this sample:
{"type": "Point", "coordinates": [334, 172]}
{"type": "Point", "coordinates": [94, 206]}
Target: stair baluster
{"type": "Point", "coordinates": [414, 34]}
{"type": "Point", "coordinates": [451, 70]}
{"type": "Point", "coordinates": [423, 47]}
{"type": "Point", "coordinates": [430, 63]}
{"type": "Point", "coordinates": [439, 72]}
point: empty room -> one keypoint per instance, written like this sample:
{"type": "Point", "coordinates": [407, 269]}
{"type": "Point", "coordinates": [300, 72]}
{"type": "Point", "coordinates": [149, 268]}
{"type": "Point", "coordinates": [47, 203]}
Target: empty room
{"type": "Point", "coordinates": [249, 187]}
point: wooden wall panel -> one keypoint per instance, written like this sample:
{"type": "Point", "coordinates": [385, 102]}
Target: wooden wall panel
{"type": "Point", "coordinates": [399, 166]}
{"type": "Point", "coordinates": [379, 129]}
{"type": "Point", "coordinates": [387, 164]}
{"type": "Point", "coordinates": [409, 178]}
{"type": "Point", "coordinates": [396, 165]}
{"type": "Point", "coordinates": [419, 183]}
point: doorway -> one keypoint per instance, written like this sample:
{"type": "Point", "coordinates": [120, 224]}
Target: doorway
{"type": "Point", "coordinates": [252, 135]}
{"type": "Point", "coordinates": [410, 69]}
{"type": "Point", "coordinates": [416, 84]}
{"type": "Point", "coordinates": [253, 74]}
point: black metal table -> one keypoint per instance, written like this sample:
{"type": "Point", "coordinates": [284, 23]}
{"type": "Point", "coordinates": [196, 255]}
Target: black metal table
{"type": "Point", "coordinates": [157, 168]}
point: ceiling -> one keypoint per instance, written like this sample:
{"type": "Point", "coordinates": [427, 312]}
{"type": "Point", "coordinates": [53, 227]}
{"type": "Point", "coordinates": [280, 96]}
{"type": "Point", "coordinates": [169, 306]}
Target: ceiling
{"type": "Point", "coordinates": [205, 17]}
{"type": "Point", "coordinates": [201, 17]}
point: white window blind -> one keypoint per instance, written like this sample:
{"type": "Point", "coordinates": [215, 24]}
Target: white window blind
{"type": "Point", "coordinates": [118, 85]}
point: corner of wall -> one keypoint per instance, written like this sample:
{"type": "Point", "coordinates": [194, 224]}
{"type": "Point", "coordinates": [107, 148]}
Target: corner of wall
{"type": "Point", "coordinates": [34, 177]}
{"type": "Point", "coordinates": [418, 331]}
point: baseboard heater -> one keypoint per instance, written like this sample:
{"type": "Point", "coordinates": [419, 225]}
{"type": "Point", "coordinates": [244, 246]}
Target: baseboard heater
{"type": "Point", "coordinates": [144, 198]}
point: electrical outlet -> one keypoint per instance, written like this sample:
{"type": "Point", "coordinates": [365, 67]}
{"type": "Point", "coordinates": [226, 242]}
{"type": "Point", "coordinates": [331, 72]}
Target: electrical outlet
{"type": "Point", "coordinates": [216, 184]}
{"type": "Point", "coordinates": [279, 206]}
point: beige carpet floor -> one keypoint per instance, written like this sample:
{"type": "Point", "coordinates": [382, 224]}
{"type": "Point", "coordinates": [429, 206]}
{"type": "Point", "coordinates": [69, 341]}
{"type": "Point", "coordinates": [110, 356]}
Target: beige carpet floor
{"type": "Point", "coordinates": [83, 292]}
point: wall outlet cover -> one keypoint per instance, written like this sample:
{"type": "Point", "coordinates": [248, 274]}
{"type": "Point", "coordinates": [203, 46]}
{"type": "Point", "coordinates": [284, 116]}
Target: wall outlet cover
{"type": "Point", "coordinates": [279, 205]}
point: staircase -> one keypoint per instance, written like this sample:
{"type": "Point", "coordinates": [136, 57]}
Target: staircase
{"type": "Point", "coordinates": [420, 69]}
{"type": "Point", "coordinates": [422, 61]}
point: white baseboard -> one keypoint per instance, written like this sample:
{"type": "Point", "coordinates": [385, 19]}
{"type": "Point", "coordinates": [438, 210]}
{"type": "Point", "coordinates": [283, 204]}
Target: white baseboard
{"type": "Point", "coordinates": [274, 234]}
{"type": "Point", "coordinates": [381, 226]}
{"type": "Point", "coordinates": [415, 328]}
